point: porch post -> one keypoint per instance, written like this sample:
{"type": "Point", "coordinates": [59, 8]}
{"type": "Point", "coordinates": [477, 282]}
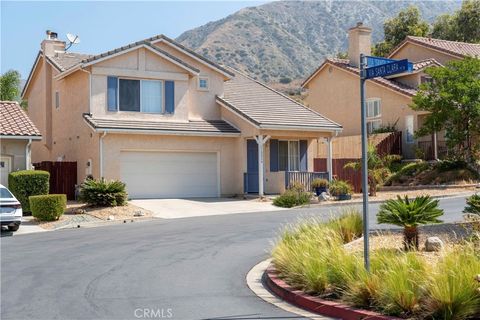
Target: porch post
{"type": "Point", "coordinates": [435, 146]}
{"type": "Point", "coordinates": [329, 158]}
{"type": "Point", "coordinates": [261, 163]}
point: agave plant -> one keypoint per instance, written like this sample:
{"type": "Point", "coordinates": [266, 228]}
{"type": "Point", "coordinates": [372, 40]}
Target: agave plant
{"type": "Point", "coordinates": [409, 214]}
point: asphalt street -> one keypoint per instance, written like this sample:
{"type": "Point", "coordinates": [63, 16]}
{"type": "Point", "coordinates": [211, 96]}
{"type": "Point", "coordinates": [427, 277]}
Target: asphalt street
{"type": "Point", "coordinates": [192, 268]}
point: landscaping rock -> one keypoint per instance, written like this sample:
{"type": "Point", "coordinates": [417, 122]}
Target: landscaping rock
{"type": "Point", "coordinates": [111, 218]}
{"type": "Point", "coordinates": [433, 244]}
{"type": "Point", "coordinates": [323, 197]}
{"type": "Point", "coordinates": [139, 213]}
{"type": "Point", "coordinates": [79, 211]}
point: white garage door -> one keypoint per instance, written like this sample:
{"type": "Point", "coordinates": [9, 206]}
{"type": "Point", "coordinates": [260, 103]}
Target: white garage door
{"type": "Point", "coordinates": [170, 174]}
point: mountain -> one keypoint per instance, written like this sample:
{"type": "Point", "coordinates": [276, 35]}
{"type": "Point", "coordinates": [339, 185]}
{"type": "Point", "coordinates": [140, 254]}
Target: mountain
{"type": "Point", "coordinates": [289, 39]}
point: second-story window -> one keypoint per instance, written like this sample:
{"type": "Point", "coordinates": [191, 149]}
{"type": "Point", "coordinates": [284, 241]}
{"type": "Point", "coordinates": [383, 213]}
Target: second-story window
{"type": "Point", "coordinates": [374, 114]}
{"type": "Point", "coordinates": [149, 96]}
{"type": "Point", "coordinates": [57, 100]}
{"type": "Point", "coordinates": [140, 95]}
{"type": "Point", "coordinates": [203, 83]}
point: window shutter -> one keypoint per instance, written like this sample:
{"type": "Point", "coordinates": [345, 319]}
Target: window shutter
{"type": "Point", "coordinates": [273, 155]}
{"type": "Point", "coordinates": [112, 89]}
{"type": "Point", "coordinates": [169, 96]}
{"type": "Point", "coordinates": [303, 155]}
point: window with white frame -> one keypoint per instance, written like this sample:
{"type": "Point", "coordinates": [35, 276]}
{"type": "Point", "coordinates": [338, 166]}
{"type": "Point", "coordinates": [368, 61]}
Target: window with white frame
{"type": "Point", "coordinates": [288, 155]}
{"type": "Point", "coordinates": [374, 114]}
{"type": "Point", "coordinates": [140, 95]}
{"type": "Point", "coordinates": [203, 83]}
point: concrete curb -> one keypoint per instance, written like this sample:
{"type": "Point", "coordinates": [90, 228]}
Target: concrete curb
{"type": "Point", "coordinates": [360, 201]}
{"type": "Point", "coordinates": [254, 280]}
{"type": "Point", "coordinates": [316, 304]}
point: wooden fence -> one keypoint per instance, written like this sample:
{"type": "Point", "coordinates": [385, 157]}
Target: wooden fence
{"type": "Point", "coordinates": [63, 176]}
{"type": "Point", "coordinates": [352, 176]}
{"type": "Point", "coordinates": [305, 178]}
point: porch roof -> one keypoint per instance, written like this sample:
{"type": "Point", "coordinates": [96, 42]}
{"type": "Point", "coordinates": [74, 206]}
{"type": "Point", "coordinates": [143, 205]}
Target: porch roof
{"type": "Point", "coordinates": [269, 109]}
{"type": "Point", "coordinates": [194, 128]}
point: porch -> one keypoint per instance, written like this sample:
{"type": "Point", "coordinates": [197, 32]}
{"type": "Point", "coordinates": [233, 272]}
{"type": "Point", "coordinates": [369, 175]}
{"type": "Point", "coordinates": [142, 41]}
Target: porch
{"type": "Point", "coordinates": [275, 162]}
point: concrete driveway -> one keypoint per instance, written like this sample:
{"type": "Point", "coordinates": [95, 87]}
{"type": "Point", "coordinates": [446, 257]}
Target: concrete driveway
{"type": "Point", "coordinates": [197, 207]}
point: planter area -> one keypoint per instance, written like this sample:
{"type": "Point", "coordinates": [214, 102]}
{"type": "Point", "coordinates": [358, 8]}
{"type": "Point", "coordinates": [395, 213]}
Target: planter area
{"type": "Point", "coordinates": [319, 267]}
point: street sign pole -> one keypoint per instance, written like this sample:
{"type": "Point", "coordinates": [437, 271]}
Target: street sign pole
{"type": "Point", "coordinates": [363, 107]}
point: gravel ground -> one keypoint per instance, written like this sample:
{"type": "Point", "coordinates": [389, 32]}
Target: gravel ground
{"type": "Point", "coordinates": [79, 213]}
{"type": "Point", "coordinates": [450, 234]}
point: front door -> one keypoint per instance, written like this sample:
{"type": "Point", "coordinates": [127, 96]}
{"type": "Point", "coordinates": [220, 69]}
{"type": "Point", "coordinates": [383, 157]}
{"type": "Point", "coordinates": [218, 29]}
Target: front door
{"type": "Point", "coordinates": [252, 166]}
{"type": "Point", "coordinates": [5, 169]}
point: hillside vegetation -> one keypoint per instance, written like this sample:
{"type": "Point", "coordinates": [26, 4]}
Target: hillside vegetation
{"type": "Point", "coordinates": [285, 40]}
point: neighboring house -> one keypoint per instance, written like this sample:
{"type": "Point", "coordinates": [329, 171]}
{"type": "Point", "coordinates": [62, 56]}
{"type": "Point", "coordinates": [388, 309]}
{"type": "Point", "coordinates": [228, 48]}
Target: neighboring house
{"type": "Point", "coordinates": [334, 88]}
{"type": "Point", "coordinates": [17, 133]}
{"type": "Point", "coordinates": [168, 122]}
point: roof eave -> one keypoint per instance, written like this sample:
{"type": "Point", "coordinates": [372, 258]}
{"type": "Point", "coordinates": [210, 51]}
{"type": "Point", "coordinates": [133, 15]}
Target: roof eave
{"type": "Point", "coordinates": [299, 128]}
{"type": "Point", "coordinates": [210, 64]}
{"type": "Point", "coordinates": [20, 137]}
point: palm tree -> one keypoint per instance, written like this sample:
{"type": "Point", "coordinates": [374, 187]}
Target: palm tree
{"type": "Point", "coordinates": [409, 214]}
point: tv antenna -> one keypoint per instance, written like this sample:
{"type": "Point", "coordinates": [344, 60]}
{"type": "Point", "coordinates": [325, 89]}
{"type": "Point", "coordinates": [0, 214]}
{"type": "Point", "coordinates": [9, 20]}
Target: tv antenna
{"type": "Point", "coordinates": [73, 39]}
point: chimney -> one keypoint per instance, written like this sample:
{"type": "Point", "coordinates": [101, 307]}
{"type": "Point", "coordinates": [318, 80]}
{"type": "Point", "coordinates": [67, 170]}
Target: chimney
{"type": "Point", "coordinates": [359, 41]}
{"type": "Point", "coordinates": [51, 45]}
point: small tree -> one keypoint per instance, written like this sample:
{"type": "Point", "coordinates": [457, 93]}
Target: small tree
{"type": "Point", "coordinates": [10, 87]}
{"type": "Point", "coordinates": [408, 22]}
{"type": "Point", "coordinates": [377, 168]}
{"type": "Point", "coordinates": [463, 25]}
{"type": "Point", "coordinates": [452, 99]}
{"type": "Point", "coordinates": [410, 214]}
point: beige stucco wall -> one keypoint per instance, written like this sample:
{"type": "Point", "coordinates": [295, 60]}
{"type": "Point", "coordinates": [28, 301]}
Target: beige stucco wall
{"type": "Point", "coordinates": [15, 150]}
{"type": "Point", "coordinates": [230, 183]}
{"type": "Point", "coordinates": [71, 138]}
{"type": "Point", "coordinates": [415, 52]}
{"type": "Point", "coordinates": [335, 93]}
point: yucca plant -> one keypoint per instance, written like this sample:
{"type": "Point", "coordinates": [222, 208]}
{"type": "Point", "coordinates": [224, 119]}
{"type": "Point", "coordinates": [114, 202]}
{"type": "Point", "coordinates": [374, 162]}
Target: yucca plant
{"type": "Point", "coordinates": [410, 214]}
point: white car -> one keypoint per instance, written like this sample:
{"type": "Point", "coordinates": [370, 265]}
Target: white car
{"type": "Point", "coordinates": [10, 210]}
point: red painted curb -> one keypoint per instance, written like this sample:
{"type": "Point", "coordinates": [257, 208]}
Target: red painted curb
{"type": "Point", "coordinates": [315, 304]}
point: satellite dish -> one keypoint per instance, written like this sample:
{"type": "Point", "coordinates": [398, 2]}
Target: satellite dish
{"type": "Point", "coordinates": [73, 39]}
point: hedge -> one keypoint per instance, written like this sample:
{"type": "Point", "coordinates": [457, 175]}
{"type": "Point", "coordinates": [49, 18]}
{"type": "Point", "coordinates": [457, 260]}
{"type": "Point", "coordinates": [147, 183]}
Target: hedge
{"type": "Point", "coordinates": [26, 183]}
{"type": "Point", "coordinates": [48, 207]}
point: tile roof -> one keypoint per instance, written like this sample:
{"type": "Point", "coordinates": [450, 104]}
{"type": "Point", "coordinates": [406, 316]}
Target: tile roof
{"type": "Point", "coordinates": [459, 49]}
{"type": "Point", "coordinates": [208, 127]}
{"type": "Point", "coordinates": [345, 64]}
{"type": "Point", "coordinates": [64, 61]}
{"type": "Point", "coordinates": [266, 107]}
{"type": "Point", "coordinates": [15, 122]}
{"type": "Point", "coordinates": [419, 65]}
{"type": "Point", "coordinates": [68, 60]}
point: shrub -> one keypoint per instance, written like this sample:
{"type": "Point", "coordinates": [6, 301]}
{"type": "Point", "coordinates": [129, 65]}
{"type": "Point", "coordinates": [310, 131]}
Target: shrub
{"type": "Point", "coordinates": [26, 183]}
{"type": "Point", "coordinates": [48, 207]}
{"type": "Point", "coordinates": [292, 198]}
{"type": "Point", "coordinates": [409, 214]}
{"type": "Point", "coordinates": [453, 292]}
{"type": "Point", "coordinates": [473, 204]}
{"type": "Point", "coordinates": [339, 187]}
{"type": "Point", "coordinates": [349, 225]}
{"type": "Point", "coordinates": [319, 183]}
{"type": "Point", "coordinates": [296, 186]}
{"type": "Point", "coordinates": [103, 193]}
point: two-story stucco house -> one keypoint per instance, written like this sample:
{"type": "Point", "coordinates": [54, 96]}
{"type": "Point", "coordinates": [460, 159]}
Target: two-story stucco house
{"type": "Point", "coordinates": [334, 89]}
{"type": "Point", "coordinates": [168, 122]}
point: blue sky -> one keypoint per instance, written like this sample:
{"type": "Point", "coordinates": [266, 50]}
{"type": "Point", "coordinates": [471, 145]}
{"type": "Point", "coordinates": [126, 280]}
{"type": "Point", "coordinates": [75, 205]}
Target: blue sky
{"type": "Point", "coordinates": [101, 26]}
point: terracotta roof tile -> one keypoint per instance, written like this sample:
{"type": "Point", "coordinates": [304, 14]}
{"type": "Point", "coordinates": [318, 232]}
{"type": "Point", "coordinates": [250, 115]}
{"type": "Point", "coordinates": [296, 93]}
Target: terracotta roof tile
{"type": "Point", "coordinates": [14, 121]}
{"type": "Point", "coordinates": [266, 107]}
{"type": "Point", "coordinates": [459, 49]}
{"type": "Point", "coordinates": [392, 84]}
{"type": "Point", "coordinates": [419, 65]}
{"type": "Point", "coordinates": [64, 61]}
